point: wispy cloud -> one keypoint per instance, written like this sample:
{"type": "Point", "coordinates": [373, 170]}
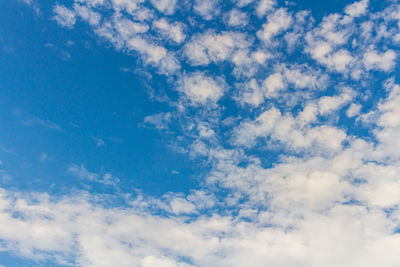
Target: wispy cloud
{"type": "Point", "coordinates": [43, 123]}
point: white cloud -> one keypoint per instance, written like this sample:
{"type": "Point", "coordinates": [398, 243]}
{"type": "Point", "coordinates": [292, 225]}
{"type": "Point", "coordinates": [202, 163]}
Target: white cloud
{"type": "Point", "coordinates": [93, 18]}
{"type": "Point", "coordinates": [260, 57]}
{"type": "Point", "coordinates": [154, 55]}
{"type": "Point", "coordinates": [273, 84]}
{"type": "Point", "coordinates": [43, 123]}
{"type": "Point", "coordinates": [272, 125]}
{"type": "Point", "coordinates": [165, 6]}
{"type": "Point", "coordinates": [127, 5]}
{"type": "Point", "coordinates": [127, 28]}
{"type": "Point", "coordinates": [207, 9]}
{"type": "Point", "coordinates": [251, 93]}
{"type": "Point", "coordinates": [353, 110]}
{"type": "Point", "coordinates": [264, 6]}
{"type": "Point", "coordinates": [329, 104]}
{"type": "Point", "coordinates": [293, 212]}
{"type": "Point", "coordinates": [64, 16]}
{"type": "Point", "coordinates": [243, 3]}
{"type": "Point", "coordinates": [82, 173]}
{"type": "Point", "coordinates": [380, 61]}
{"type": "Point", "coordinates": [159, 121]}
{"type": "Point", "coordinates": [211, 47]}
{"type": "Point", "coordinates": [76, 231]}
{"type": "Point", "coordinates": [339, 61]}
{"type": "Point", "coordinates": [236, 18]}
{"type": "Point", "coordinates": [201, 89]}
{"type": "Point", "coordinates": [357, 9]}
{"type": "Point", "coordinates": [172, 31]}
{"type": "Point", "coordinates": [277, 22]}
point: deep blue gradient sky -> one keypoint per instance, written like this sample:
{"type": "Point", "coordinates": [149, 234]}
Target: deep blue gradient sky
{"type": "Point", "coordinates": [199, 133]}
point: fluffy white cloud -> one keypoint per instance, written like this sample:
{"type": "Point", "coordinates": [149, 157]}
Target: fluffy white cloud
{"type": "Point", "coordinates": [272, 125]}
{"type": "Point", "coordinates": [353, 110]}
{"type": "Point", "coordinates": [277, 22]}
{"type": "Point", "coordinates": [357, 9]}
{"type": "Point", "coordinates": [264, 6]}
{"type": "Point", "coordinates": [201, 89]}
{"type": "Point", "coordinates": [236, 18]}
{"type": "Point", "coordinates": [211, 47]}
{"type": "Point", "coordinates": [273, 84]}
{"type": "Point", "coordinates": [154, 54]}
{"type": "Point", "coordinates": [207, 9]}
{"type": "Point", "coordinates": [380, 61]}
{"type": "Point", "coordinates": [172, 31]}
{"type": "Point", "coordinates": [93, 18]}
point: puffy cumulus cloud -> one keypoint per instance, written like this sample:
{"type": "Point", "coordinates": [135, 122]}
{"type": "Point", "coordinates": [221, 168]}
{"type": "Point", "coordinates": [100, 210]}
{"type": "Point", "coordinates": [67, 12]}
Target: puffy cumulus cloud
{"type": "Point", "coordinates": [387, 117]}
{"type": "Point", "coordinates": [236, 18]}
{"type": "Point", "coordinates": [353, 110]}
{"type": "Point", "coordinates": [326, 43]}
{"type": "Point", "coordinates": [64, 16]}
{"type": "Point", "coordinates": [264, 6]}
{"type": "Point", "coordinates": [201, 89]}
{"type": "Point", "coordinates": [85, 13]}
{"type": "Point", "coordinates": [276, 23]}
{"type": "Point", "coordinates": [172, 31]}
{"type": "Point", "coordinates": [357, 9]}
{"type": "Point", "coordinates": [297, 78]}
{"type": "Point", "coordinates": [210, 47]}
{"type": "Point", "coordinates": [383, 61]}
{"type": "Point", "coordinates": [154, 54]}
{"type": "Point", "coordinates": [122, 5]}
{"type": "Point", "coordinates": [272, 125]}
{"type": "Point", "coordinates": [207, 9]}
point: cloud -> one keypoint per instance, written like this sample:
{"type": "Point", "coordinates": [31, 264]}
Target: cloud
{"type": "Point", "coordinates": [43, 123]}
{"type": "Point", "coordinates": [99, 142]}
{"type": "Point", "coordinates": [165, 6]}
{"type": "Point", "coordinates": [201, 89]}
{"type": "Point", "coordinates": [277, 22]}
{"type": "Point", "coordinates": [172, 31]}
{"type": "Point", "coordinates": [236, 18]}
{"type": "Point", "coordinates": [64, 16]}
{"type": "Point", "coordinates": [275, 126]}
{"type": "Point", "coordinates": [211, 47]}
{"type": "Point", "coordinates": [357, 9]}
{"type": "Point", "coordinates": [154, 54]}
{"type": "Point", "coordinates": [82, 173]}
{"type": "Point", "coordinates": [93, 18]}
{"type": "Point", "coordinates": [384, 61]}
{"type": "Point", "coordinates": [207, 9]}
{"type": "Point", "coordinates": [159, 121]}
{"type": "Point", "coordinates": [285, 180]}
{"type": "Point", "coordinates": [264, 6]}
{"type": "Point", "coordinates": [353, 110]}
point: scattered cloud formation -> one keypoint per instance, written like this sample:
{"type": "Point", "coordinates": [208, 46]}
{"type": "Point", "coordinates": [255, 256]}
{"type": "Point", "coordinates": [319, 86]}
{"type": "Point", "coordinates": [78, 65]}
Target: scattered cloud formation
{"type": "Point", "coordinates": [294, 122]}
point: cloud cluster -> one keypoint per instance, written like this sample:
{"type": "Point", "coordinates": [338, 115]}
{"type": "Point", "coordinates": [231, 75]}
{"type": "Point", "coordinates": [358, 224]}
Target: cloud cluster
{"type": "Point", "coordinates": [277, 107]}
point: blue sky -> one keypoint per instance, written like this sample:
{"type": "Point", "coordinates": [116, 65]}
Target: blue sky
{"type": "Point", "coordinates": [199, 133]}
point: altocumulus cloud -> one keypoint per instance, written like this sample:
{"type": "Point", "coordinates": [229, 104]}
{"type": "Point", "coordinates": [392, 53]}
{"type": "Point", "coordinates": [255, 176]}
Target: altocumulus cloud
{"type": "Point", "coordinates": [292, 86]}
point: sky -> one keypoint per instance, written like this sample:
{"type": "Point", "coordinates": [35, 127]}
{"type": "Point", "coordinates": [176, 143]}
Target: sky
{"type": "Point", "coordinates": [178, 133]}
